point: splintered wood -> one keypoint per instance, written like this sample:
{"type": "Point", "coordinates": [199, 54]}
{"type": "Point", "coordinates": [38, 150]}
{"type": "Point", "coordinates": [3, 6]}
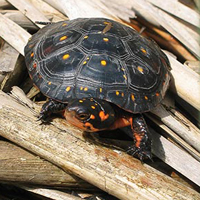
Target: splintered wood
{"type": "Point", "coordinates": [74, 159]}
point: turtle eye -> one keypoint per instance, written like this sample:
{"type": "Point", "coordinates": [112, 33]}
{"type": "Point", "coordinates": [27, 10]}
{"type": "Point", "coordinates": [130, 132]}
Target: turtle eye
{"type": "Point", "coordinates": [82, 116]}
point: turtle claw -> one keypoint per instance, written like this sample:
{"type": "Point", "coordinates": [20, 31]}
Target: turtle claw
{"type": "Point", "coordinates": [141, 153]}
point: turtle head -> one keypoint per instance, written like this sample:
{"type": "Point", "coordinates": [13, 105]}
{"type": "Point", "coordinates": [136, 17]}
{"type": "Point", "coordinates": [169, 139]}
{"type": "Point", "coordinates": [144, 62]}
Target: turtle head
{"type": "Point", "coordinates": [90, 114]}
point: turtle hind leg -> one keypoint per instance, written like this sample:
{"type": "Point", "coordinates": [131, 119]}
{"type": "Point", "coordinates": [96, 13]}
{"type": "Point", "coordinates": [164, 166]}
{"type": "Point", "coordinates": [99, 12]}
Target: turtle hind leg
{"type": "Point", "coordinates": [50, 107]}
{"type": "Point", "coordinates": [141, 137]}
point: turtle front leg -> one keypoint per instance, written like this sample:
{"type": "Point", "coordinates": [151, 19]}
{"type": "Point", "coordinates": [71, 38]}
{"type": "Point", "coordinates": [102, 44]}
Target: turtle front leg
{"type": "Point", "coordinates": [141, 137]}
{"type": "Point", "coordinates": [50, 107]}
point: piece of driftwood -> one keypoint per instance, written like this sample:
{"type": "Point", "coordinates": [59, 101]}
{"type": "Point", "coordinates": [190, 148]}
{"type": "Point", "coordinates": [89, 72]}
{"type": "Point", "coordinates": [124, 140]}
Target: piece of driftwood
{"type": "Point", "coordinates": [178, 9]}
{"type": "Point", "coordinates": [88, 8]}
{"type": "Point", "coordinates": [22, 167]}
{"type": "Point", "coordinates": [187, 131]}
{"type": "Point", "coordinates": [16, 36]}
{"type": "Point", "coordinates": [186, 82]}
{"type": "Point", "coordinates": [30, 11]}
{"type": "Point", "coordinates": [52, 194]}
{"type": "Point", "coordinates": [8, 58]}
{"type": "Point", "coordinates": [194, 65]}
{"type": "Point", "coordinates": [47, 10]}
{"type": "Point", "coordinates": [165, 39]}
{"type": "Point", "coordinates": [168, 22]}
{"type": "Point", "coordinates": [67, 147]}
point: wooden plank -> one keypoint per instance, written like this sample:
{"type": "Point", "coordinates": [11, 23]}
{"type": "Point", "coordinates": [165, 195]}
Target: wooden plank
{"type": "Point", "coordinates": [29, 11]}
{"type": "Point", "coordinates": [65, 146]}
{"type": "Point", "coordinates": [15, 160]}
{"type": "Point", "coordinates": [179, 10]}
{"type": "Point", "coordinates": [13, 34]}
{"type": "Point", "coordinates": [177, 158]}
{"type": "Point", "coordinates": [87, 8]}
{"type": "Point", "coordinates": [52, 194]}
{"type": "Point", "coordinates": [169, 23]}
{"type": "Point", "coordinates": [185, 82]}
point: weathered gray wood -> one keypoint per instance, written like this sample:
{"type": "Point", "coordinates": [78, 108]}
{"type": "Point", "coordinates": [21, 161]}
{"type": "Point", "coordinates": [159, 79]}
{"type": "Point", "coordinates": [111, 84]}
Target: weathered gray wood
{"type": "Point", "coordinates": [169, 23]}
{"type": "Point", "coordinates": [19, 166]}
{"type": "Point", "coordinates": [30, 11]}
{"type": "Point", "coordinates": [13, 34]}
{"type": "Point", "coordinates": [65, 146]}
{"type": "Point", "coordinates": [178, 9]}
{"type": "Point", "coordinates": [185, 82]}
{"type": "Point", "coordinates": [52, 194]}
{"type": "Point", "coordinates": [8, 58]}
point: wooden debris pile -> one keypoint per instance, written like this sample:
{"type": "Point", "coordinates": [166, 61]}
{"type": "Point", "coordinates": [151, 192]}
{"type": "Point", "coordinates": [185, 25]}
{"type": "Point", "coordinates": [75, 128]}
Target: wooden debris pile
{"type": "Point", "coordinates": [87, 164]}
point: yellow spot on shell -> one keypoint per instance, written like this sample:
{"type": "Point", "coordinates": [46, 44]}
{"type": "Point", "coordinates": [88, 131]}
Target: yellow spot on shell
{"type": "Point", "coordinates": [140, 69]}
{"type": "Point", "coordinates": [93, 107]}
{"type": "Point", "coordinates": [106, 23]}
{"type": "Point", "coordinates": [117, 93]}
{"type": "Point", "coordinates": [68, 89]}
{"type": "Point", "coordinates": [84, 62]}
{"type": "Point", "coordinates": [66, 56]}
{"type": "Point", "coordinates": [49, 83]}
{"type": "Point", "coordinates": [92, 117]}
{"type": "Point", "coordinates": [122, 94]}
{"type": "Point", "coordinates": [146, 98]}
{"type": "Point", "coordinates": [122, 69]}
{"type": "Point", "coordinates": [81, 88]}
{"type": "Point", "coordinates": [85, 37]}
{"type": "Point", "coordinates": [87, 58]}
{"type": "Point", "coordinates": [132, 97]}
{"type": "Point", "coordinates": [85, 89]}
{"type": "Point", "coordinates": [64, 24]}
{"type": "Point", "coordinates": [105, 39]}
{"type": "Point", "coordinates": [143, 51]}
{"type": "Point", "coordinates": [81, 101]}
{"type": "Point", "coordinates": [63, 38]}
{"type": "Point", "coordinates": [100, 89]}
{"type": "Point", "coordinates": [32, 54]}
{"type": "Point", "coordinates": [125, 77]}
{"type": "Point", "coordinates": [103, 63]}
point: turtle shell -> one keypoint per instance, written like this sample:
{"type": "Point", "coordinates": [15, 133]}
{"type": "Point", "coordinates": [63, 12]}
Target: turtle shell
{"type": "Point", "coordinates": [99, 58]}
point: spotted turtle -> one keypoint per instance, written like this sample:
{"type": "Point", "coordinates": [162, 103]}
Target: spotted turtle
{"type": "Point", "coordinates": [100, 74]}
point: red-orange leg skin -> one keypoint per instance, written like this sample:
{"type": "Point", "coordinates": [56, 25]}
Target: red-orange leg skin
{"type": "Point", "coordinates": [141, 137]}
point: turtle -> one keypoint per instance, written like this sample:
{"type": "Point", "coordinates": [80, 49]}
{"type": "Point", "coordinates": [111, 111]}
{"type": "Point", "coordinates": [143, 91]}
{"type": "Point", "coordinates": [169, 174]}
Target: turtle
{"type": "Point", "coordinates": [99, 74]}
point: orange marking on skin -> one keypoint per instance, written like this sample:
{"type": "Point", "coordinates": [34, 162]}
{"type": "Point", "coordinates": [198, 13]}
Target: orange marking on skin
{"type": "Point", "coordinates": [120, 123]}
{"type": "Point", "coordinates": [92, 117]}
{"type": "Point", "coordinates": [32, 54]}
{"type": "Point", "coordinates": [138, 139]}
{"type": "Point", "coordinates": [103, 116]}
{"type": "Point", "coordinates": [87, 124]}
{"type": "Point", "coordinates": [146, 98]}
